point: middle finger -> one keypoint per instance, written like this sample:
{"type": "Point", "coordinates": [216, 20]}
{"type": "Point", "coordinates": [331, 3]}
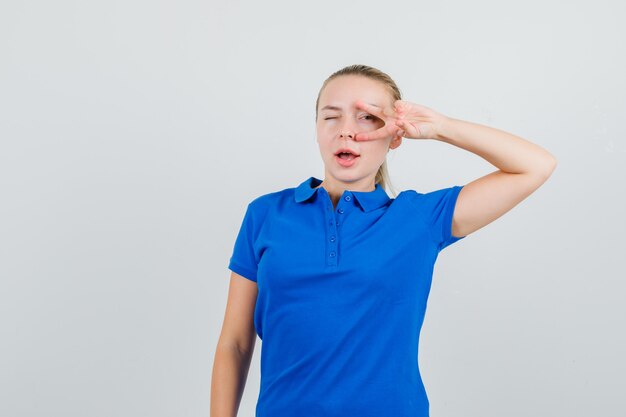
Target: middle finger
{"type": "Point", "coordinates": [382, 113]}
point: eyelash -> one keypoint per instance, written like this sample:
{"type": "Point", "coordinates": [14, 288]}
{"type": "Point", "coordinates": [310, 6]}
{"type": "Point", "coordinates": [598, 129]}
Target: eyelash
{"type": "Point", "coordinates": [368, 115]}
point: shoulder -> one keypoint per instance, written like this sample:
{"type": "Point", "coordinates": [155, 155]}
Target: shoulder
{"type": "Point", "coordinates": [430, 199]}
{"type": "Point", "coordinates": [429, 195]}
{"type": "Point", "coordinates": [263, 204]}
{"type": "Point", "coordinates": [407, 197]}
{"type": "Point", "coordinates": [273, 197]}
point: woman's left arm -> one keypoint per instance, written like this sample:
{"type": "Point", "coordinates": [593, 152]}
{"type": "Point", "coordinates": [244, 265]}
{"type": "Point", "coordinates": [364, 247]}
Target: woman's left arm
{"type": "Point", "coordinates": [522, 165]}
{"type": "Point", "coordinates": [522, 168]}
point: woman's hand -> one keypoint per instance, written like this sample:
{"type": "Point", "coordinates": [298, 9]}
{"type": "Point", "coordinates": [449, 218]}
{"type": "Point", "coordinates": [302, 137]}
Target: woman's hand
{"type": "Point", "coordinates": [406, 119]}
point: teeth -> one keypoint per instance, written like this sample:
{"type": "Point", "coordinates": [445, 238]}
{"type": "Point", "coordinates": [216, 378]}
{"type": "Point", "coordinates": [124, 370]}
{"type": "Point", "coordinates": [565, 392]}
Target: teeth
{"type": "Point", "coordinates": [347, 156]}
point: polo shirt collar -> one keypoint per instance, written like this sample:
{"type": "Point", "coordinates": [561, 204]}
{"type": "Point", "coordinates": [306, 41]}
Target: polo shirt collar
{"type": "Point", "coordinates": [368, 200]}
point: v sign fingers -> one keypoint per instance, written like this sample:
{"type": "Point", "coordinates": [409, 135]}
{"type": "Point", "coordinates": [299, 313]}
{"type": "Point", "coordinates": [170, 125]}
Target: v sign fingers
{"type": "Point", "coordinates": [418, 121]}
{"type": "Point", "coordinates": [387, 114]}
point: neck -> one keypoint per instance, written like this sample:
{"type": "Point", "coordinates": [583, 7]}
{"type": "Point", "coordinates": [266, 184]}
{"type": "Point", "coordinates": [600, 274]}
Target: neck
{"type": "Point", "coordinates": [335, 189]}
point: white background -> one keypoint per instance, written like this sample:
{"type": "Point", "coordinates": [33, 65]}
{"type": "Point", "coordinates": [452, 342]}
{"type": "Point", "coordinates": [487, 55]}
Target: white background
{"type": "Point", "coordinates": [134, 133]}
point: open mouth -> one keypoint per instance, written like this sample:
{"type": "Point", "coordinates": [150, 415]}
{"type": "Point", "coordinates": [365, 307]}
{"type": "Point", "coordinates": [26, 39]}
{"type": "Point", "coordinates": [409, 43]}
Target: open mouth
{"type": "Point", "coordinates": [346, 157]}
{"type": "Point", "coordinates": [346, 154]}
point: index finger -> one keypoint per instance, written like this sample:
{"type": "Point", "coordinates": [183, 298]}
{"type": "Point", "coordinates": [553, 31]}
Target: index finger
{"type": "Point", "coordinates": [376, 134]}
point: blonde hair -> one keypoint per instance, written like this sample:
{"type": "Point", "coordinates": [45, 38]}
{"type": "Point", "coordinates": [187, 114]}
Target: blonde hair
{"type": "Point", "coordinates": [382, 176]}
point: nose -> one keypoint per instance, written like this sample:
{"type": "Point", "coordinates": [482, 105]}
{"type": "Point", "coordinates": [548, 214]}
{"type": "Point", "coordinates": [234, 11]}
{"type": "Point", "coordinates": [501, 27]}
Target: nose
{"type": "Point", "coordinates": [346, 134]}
{"type": "Point", "coordinates": [347, 129]}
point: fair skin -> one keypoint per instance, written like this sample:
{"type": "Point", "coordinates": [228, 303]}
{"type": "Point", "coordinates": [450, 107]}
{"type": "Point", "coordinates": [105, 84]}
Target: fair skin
{"type": "Point", "coordinates": [522, 165]}
{"type": "Point", "coordinates": [522, 168]}
{"type": "Point", "coordinates": [235, 347]}
{"type": "Point", "coordinates": [339, 120]}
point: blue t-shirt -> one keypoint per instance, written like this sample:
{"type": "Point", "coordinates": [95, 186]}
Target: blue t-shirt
{"type": "Point", "coordinates": [342, 294]}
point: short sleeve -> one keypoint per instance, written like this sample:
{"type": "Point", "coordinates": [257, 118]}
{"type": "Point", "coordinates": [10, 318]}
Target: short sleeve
{"type": "Point", "coordinates": [243, 260]}
{"type": "Point", "coordinates": [437, 209]}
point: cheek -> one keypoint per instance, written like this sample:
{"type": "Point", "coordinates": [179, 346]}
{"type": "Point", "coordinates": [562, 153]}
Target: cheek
{"type": "Point", "coordinates": [377, 152]}
{"type": "Point", "coordinates": [324, 144]}
{"type": "Point", "coordinates": [324, 133]}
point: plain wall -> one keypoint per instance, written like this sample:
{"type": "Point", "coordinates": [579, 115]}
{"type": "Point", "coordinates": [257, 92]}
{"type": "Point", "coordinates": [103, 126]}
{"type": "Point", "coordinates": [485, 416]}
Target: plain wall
{"type": "Point", "coordinates": [134, 133]}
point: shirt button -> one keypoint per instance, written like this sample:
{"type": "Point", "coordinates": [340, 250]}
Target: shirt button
{"type": "Point", "coordinates": [340, 211]}
{"type": "Point", "coordinates": [331, 222]}
{"type": "Point", "coordinates": [332, 238]}
{"type": "Point", "coordinates": [347, 198]}
{"type": "Point", "coordinates": [332, 254]}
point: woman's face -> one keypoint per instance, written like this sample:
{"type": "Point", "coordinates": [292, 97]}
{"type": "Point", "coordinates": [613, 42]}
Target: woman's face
{"type": "Point", "coordinates": [339, 120]}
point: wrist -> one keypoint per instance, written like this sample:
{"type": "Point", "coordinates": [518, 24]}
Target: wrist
{"type": "Point", "coordinates": [443, 128]}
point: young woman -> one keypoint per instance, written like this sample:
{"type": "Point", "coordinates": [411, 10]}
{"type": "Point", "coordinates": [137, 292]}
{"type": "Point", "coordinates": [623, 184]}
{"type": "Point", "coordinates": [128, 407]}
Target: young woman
{"type": "Point", "coordinates": [334, 275]}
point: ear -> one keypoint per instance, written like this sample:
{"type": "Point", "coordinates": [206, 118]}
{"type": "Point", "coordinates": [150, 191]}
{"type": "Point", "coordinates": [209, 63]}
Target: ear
{"type": "Point", "coordinates": [395, 142]}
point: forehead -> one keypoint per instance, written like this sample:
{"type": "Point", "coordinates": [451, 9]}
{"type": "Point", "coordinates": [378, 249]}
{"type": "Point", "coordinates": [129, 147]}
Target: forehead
{"type": "Point", "coordinates": [344, 91]}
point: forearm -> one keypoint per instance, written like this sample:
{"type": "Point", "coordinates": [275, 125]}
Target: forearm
{"type": "Point", "coordinates": [506, 151]}
{"type": "Point", "coordinates": [230, 371]}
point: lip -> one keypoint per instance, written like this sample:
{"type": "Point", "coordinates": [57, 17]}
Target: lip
{"type": "Point", "coordinates": [347, 150]}
{"type": "Point", "coordinates": [345, 163]}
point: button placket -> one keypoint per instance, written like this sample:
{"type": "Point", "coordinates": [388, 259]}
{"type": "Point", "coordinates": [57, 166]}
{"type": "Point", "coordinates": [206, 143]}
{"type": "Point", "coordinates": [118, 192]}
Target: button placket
{"type": "Point", "coordinates": [333, 220]}
{"type": "Point", "coordinates": [331, 236]}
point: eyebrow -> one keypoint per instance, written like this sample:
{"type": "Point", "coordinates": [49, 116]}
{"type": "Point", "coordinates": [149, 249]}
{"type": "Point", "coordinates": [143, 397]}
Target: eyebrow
{"type": "Point", "coordinates": [330, 107]}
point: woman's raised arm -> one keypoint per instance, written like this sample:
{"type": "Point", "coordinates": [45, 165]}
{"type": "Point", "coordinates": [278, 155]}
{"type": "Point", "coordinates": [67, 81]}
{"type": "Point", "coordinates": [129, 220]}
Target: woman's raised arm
{"type": "Point", "coordinates": [522, 165]}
